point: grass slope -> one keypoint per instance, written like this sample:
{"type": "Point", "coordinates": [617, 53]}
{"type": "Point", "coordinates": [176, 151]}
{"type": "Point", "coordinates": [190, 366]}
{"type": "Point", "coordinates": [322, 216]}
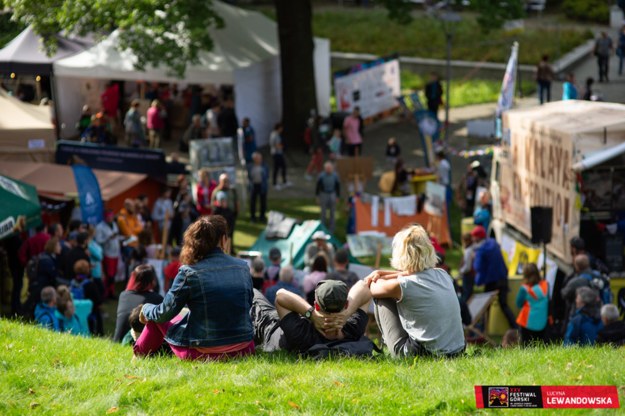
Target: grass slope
{"type": "Point", "coordinates": [48, 373]}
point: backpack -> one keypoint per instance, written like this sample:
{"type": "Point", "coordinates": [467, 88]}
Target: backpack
{"type": "Point", "coordinates": [601, 283]}
{"type": "Point", "coordinates": [32, 268]}
{"type": "Point", "coordinates": [363, 348]}
{"type": "Point", "coordinates": [78, 290]}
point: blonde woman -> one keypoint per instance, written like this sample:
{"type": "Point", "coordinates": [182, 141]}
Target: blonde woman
{"type": "Point", "coordinates": [416, 306]}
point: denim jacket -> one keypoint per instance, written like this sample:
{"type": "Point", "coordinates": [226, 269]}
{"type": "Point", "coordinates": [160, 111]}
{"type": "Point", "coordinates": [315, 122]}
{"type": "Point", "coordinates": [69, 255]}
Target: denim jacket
{"type": "Point", "coordinates": [218, 293]}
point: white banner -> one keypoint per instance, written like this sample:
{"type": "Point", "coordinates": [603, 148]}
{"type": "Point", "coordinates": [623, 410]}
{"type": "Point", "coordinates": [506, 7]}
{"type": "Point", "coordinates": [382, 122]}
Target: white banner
{"type": "Point", "coordinates": [372, 88]}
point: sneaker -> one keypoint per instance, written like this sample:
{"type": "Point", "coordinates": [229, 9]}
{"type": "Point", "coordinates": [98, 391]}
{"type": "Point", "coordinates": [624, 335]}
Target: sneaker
{"type": "Point", "coordinates": [277, 187]}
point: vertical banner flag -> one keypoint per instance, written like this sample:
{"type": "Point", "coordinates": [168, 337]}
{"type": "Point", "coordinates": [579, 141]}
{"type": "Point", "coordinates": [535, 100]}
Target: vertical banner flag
{"type": "Point", "coordinates": [91, 206]}
{"type": "Point", "coordinates": [509, 80]}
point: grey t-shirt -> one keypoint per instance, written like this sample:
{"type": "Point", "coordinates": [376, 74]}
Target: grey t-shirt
{"type": "Point", "coordinates": [429, 311]}
{"type": "Point", "coordinates": [257, 174]}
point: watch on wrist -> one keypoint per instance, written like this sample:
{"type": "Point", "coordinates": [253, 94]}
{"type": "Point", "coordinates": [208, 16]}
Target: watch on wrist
{"type": "Point", "coordinates": [308, 313]}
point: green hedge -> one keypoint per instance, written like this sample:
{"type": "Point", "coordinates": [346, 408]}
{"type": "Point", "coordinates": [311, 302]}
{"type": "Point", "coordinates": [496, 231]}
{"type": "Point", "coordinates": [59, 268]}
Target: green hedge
{"type": "Point", "coordinates": [587, 10]}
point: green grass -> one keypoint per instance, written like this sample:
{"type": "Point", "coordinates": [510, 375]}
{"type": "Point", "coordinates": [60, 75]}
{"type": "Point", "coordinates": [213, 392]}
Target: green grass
{"type": "Point", "coordinates": [370, 31]}
{"type": "Point", "coordinates": [49, 373]}
{"type": "Point", "coordinates": [463, 92]}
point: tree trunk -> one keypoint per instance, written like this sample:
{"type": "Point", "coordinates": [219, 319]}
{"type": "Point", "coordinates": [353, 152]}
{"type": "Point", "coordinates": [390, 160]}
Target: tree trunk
{"type": "Point", "coordinates": [297, 67]}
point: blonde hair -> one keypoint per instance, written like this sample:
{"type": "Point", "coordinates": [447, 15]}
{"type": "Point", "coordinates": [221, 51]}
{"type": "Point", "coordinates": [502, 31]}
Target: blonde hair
{"type": "Point", "coordinates": [412, 250]}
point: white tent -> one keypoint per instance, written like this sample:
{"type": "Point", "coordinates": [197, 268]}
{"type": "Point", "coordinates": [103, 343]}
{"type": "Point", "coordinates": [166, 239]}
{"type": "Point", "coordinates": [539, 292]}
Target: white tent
{"type": "Point", "coordinates": [245, 53]}
{"type": "Point", "coordinates": [26, 132]}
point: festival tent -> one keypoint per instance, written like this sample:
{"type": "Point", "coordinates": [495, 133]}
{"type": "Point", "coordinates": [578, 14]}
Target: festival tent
{"type": "Point", "coordinates": [25, 54]}
{"type": "Point", "coordinates": [295, 245]}
{"type": "Point", "coordinates": [58, 181]}
{"type": "Point", "coordinates": [26, 132]}
{"type": "Point", "coordinates": [245, 54]}
{"type": "Point", "coordinates": [20, 209]}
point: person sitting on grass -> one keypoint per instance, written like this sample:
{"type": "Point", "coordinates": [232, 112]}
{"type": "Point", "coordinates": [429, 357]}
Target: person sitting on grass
{"type": "Point", "coordinates": [295, 325]}
{"type": "Point", "coordinates": [217, 290]}
{"type": "Point", "coordinates": [586, 322]}
{"type": "Point", "coordinates": [533, 300]}
{"type": "Point", "coordinates": [287, 275]}
{"type": "Point", "coordinates": [416, 307]}
{"type": "Point", "coordinates": [135, 325]}
{"type": "Point", "coordinates": [45, 310]}
{"type": "Point", "coordinates": [72, 314]}
{"type": "Point", "coordinates": [258, 273]}
{"type": "Point", "coordinates": [613, 331]}
{"type": "Point", "coordinates": [140, 290]}
{"type": "Point", "coordinates": [318, 272]}
{"type": "Point", "coordinates": [83, 287]}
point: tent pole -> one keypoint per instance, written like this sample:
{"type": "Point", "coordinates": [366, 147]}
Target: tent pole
{"type": "Point", "coordinates": [55, 105]}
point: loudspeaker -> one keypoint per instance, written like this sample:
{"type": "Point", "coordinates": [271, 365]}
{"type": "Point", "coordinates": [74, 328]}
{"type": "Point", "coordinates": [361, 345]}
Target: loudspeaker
{"type": "Point", "coordinates": [542, 222]}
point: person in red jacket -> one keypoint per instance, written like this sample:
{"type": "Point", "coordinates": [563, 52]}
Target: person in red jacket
{"type": "Point", "coordinates": [34, 245]}
{"type": "Point", "coordinates": [205, 188]}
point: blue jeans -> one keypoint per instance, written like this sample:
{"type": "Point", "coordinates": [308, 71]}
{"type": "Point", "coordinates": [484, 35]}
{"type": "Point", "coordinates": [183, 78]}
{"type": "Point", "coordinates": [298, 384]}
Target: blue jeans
{"type": "Point", "coordinates": [544, 88]}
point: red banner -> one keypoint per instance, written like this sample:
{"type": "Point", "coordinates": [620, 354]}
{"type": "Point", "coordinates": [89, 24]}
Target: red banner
{"type": "Point", "coordinates": [548, 397]}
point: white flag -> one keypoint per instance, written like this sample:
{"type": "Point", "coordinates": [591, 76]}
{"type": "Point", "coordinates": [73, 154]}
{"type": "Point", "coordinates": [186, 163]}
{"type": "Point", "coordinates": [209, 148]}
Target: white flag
{"type": "Point", "coordinates": [509, 82]}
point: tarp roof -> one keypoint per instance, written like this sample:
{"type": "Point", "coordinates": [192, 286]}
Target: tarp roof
{"type": "Point", "coordinates": [26, 132]}
{"type": "Point", "coordinates": [247, 38]}
{"type": "Point", "coordinates": [51, 179]}
{"type": "Point", "coordinates": [25, 55]}
{"type": "Point", "coordinates": [19, 200]}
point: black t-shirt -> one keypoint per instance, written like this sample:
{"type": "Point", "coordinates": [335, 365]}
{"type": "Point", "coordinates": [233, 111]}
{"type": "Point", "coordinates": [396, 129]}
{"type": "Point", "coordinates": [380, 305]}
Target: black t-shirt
{"type": "Point", "coordinates": [300, 333]}
{"type": "Point", "coordinates": [128, 300]}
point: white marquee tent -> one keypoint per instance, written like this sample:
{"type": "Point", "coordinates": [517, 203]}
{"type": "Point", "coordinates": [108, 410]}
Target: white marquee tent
{"type": "Point", "coordinates": [245, 54]}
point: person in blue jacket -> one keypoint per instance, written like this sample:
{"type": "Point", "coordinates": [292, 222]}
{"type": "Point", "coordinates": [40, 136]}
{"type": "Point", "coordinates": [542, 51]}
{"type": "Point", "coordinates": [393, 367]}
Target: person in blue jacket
{"type": "Point", "coordinates": [491, 270]}
{"type": "Point", "coordinates": [45, 310]}
{"type": "Point", "coordinates": [585, 323]}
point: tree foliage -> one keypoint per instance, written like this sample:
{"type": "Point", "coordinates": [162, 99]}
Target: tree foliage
{"type": "Point", "coordinates": [168, 33]}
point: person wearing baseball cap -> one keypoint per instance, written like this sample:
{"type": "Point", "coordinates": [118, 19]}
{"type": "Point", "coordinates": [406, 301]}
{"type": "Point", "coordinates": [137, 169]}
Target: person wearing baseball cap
{"type": "Point", "coordinates": [320, 244]}
{"type": "Point", "coordinates": [295, 325]}
{"type": "Point", "coordinates": [491, 270]}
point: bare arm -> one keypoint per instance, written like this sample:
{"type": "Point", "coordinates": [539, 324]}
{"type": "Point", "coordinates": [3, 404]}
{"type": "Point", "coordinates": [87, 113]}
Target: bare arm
{"type": "Point", "coordinates": [386, 289]}
{"type": "Point", "coordinates": [287, 302]}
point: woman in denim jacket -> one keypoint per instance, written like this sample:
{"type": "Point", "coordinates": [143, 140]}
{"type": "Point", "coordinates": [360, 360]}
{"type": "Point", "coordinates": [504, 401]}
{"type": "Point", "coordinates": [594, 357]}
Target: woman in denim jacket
{"type": "Point", "coordinates": [217, 290]}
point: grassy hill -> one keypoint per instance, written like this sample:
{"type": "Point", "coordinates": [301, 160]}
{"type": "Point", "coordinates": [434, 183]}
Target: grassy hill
{"type": "Point", "coordinates": [47, 373]}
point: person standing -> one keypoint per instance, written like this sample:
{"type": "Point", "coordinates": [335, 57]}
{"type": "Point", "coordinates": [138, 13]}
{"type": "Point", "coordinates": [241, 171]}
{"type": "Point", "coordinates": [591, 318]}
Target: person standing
{"type": "Point", "coordinates": [603, 50]}
{"type": "Point", "coordinates": [107, 235]}
{"type": "Point", "coordinates": [276, 144]}
{"type": "Point", "coordinates": [135, 136]}
{"type": "Point", "coordinates": [258, 176]}
{"type": "Point", "coordinates": [544, 76]}
{"type": "Point", "coordinates": [328, 191]}
{"type": "Point", "coordinates": [156, 123]}
{"type": "Point", "coordinates": [620, 50]}
{"type": "Point", "coordinates": [163, 210]}
{"type": "Point", "coordinates": [232, 200]}
{"type": "Point", "coordinates": [443, 177]}
{"type": "Point", "coordinates": [204, 191]}
{"type": "Point", "coordinates": [34, 245]}
{"type": "Point", "coordinates": [490, 270]}
{"type": "Point", "coordinates": [249, 140]}
{"type": "Point", "coordinates": [434, 94]}
{"type": "Point", "coordinates": [352, 133]}
{"type": "Point", "coordinates": [569, 89]}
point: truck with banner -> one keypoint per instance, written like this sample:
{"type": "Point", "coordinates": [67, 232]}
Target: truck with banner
{"type": "Point", "coordinates": [552, 155]}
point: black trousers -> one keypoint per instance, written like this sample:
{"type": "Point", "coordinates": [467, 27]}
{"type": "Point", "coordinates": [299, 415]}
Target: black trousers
{"type": "Point", "coordinates": [256, 194]}
{"type": "Point", "coordinates": [279, 164]}
{"type": "Point", "coordinates": [604, 64]}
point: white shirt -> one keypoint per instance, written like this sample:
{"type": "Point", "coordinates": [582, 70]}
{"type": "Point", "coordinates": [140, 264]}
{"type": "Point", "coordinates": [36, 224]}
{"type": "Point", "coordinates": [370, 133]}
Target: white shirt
{"type": "Point", "coordinates": [443, 172]}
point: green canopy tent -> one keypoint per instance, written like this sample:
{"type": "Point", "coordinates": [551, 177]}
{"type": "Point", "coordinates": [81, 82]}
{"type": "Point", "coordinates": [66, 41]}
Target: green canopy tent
{"type": "Point", "coordinates": [19, 206]}
{"type": "Point", "coordinates": [295, 244]}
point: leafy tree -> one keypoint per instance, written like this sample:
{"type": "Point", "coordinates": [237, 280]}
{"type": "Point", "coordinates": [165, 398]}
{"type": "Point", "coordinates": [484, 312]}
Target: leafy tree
{"type": "Point", "coordinates": [171, 33]}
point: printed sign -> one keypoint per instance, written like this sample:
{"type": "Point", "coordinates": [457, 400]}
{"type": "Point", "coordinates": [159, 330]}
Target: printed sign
{"type": "Point", "coordinates": [372, 86]}
{"type": "Point", "coordinates": [211, 152]}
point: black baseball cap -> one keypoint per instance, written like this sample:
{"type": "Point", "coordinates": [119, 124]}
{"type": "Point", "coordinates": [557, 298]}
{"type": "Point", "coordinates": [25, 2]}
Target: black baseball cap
{"type": "Point", "coordinates": [331, 295]}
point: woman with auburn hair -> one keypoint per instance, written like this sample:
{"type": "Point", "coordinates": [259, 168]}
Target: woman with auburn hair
{"type": "Point", "coordinates": [416, 306]}
{"type": "Point", "coordinates": [216, 289]}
